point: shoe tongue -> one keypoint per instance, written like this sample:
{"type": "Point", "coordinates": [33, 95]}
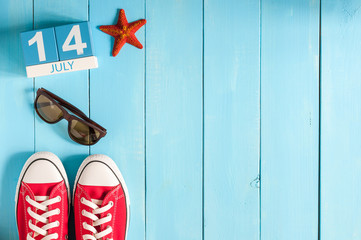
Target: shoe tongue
{"type": "Point", "coordinates": [97, 192]}
{"type": "Point", "coordinates": [42, 189]}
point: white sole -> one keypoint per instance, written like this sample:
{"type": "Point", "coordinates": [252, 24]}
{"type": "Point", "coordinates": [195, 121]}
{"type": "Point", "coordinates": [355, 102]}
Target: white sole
{"type": "Point", "coordinates": [111, 164]}
{"type": "Point", "coordinates": [38, 156]}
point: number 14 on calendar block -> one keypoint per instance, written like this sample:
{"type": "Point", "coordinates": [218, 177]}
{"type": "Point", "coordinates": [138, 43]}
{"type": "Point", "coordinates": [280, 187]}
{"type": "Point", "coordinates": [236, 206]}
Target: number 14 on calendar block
{"type": "Point", "coordinates": [58, 50]}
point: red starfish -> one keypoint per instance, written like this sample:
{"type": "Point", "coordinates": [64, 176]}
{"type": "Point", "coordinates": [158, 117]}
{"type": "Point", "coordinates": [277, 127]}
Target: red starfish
{"type": "Point", "coordinates": [123, 32]}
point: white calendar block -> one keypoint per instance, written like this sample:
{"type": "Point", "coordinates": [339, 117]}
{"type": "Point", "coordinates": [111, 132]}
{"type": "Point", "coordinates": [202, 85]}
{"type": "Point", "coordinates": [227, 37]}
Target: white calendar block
{"type": "Point", "coordinates": [62, 66]}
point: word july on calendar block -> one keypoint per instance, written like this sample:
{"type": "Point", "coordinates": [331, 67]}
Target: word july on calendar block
{"type": "Point", "coordinates": [58, 50]}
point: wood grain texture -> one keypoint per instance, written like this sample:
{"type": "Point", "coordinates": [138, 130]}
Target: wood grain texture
{"type": "Point", "coordinates": [289, 119]}
{"type": "Point", "coordinates": [231, 119]}
{"type": "Point", "coordinates": [340, 121]}
{"type": "Point", "coordinates": [174, 120]}
{"type": "Point", "coordinates": [117, 103]}
{"type": "Point", "coordinates": [16, 113]}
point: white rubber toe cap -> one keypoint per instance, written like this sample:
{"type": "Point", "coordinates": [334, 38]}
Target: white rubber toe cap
{"type": "Point", "coordinates": [43, 167]}
{"type": "Point", "coordinates": [42, 171]}
{"type": "Point", "coordinates": [98, 173]}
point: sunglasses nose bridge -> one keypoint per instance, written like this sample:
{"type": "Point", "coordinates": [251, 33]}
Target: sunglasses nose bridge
{"type": "Point", "coordinates": [66, 115]}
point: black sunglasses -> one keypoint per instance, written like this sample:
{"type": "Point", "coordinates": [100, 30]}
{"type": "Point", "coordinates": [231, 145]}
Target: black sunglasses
{"type": "Point", "coordinates": [81, 129]}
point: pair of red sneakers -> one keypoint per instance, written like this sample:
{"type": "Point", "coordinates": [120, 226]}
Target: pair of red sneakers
{"type": "Point", "coordinates": [100, 200]}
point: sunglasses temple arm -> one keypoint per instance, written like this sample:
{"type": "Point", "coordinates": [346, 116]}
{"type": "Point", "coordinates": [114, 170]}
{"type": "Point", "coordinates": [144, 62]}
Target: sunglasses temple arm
{"type": "Point", "coordinates": [79, 113]}
{"type": "Point", "coordinates": [73, 109]}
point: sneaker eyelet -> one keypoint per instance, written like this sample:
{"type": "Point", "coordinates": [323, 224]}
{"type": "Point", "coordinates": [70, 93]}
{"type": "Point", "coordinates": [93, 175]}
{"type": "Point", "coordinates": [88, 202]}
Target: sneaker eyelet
{"type": "Point", "coordinates": [27, 197]}
{"type": "Point", "coordinates": [57, 223]}
{"type": "Point", "coordinates": [59, 198]}
{"type": "Point", "coordinates": [57, 236]}
{"type": "Point", "coordinates": [58, 211]}
{"type": "Point", "coordinates": [109, 215]}
{"type": "Point", "coordinates": [111, 203]}
{"type": "Point", "coordinates": [83, 212]}
{"type": "Point", "coordinates": [82, 200]}
{"type": "Point", "coordinates": [84, 224]}
{"type": "Point", "coordinates": [66, 237]}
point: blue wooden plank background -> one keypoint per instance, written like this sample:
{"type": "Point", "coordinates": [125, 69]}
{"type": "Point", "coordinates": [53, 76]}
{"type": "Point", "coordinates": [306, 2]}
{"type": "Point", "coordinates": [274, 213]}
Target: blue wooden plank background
{"type": "Point", "coordinates": [231, 119]}
{"type": "Point", "coordinates": [239, 119]}
{"type": "Point", "coordinates": [16, 113]}
{"type": "Point", "coordinates": [340, 120]}
{"type": "Point", "coordinates": [289, 119]}
{"type": "Point", "coordinates": [174, 119]}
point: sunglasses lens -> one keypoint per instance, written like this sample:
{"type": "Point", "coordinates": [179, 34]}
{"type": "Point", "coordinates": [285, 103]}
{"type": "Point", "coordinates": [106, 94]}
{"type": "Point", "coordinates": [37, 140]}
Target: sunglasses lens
{"type": "Point", "coordinates": [48, 110]}
{"type": "Point", "coordinates": [82, 133]}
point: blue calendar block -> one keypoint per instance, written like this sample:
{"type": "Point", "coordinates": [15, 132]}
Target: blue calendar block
{"type": "Point", "coordinates": [39, 46]}
{"type": "Point", "coordinates": [74, 41]}
{"type": "Point", "coordinates": [62, 49]}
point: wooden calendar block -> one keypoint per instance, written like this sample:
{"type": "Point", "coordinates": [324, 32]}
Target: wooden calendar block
{"type": "Point", "coordinates": [39, 46]}
{"type": "Point", "coordinates": [74, 41]}
{"type": "Point", "coordinates": [56, 50]}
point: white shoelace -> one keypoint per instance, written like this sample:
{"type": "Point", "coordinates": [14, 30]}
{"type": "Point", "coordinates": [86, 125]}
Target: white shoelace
{"type": "Point", "coordinates": [94, 204]}
{"type": "Point", "coordinates": [42, 203]}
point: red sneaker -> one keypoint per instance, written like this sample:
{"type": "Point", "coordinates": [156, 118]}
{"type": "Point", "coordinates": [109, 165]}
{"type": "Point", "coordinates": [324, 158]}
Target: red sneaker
{"type": "Point", "coordinates": [101, 201]}
{"type": "Point", "coordinates": [42, 199]}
